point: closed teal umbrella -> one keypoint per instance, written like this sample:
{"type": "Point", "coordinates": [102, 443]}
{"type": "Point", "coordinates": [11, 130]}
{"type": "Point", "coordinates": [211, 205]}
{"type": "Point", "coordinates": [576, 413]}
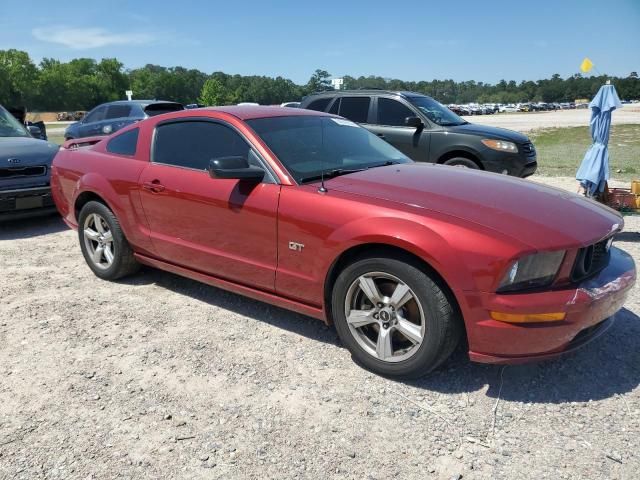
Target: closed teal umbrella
{"type": "Point", "coordinates": [594, 169]}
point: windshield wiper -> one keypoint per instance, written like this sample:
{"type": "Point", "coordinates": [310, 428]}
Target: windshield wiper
{"type": "Point", "coordinates": [336, 172]}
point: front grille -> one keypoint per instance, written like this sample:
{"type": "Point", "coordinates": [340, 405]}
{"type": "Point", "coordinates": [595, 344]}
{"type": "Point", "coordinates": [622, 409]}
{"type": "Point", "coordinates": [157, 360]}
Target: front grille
{"type": "Point", "coordinates": [591, 260]}
{"type": "Point", "coordinates": [528, 149]}
{"type": "Point", "coordinates": [16, 172]}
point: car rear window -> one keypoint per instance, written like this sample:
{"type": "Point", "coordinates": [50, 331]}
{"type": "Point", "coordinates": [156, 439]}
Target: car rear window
{"type": "Point", "coordinates": [125, 143]}
{"type": "Point", "coordinates": [355, 109]}
{"type": "Point", "coordinates": [160, 108]}
{"type": "Point", "coordinates": [319, 105]}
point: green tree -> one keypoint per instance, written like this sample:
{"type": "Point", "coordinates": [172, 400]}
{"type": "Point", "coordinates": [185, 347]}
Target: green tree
{"type": "Point", "coordinates": [213, 93]}
{"type": "Point", "coordinates": [319, 81]}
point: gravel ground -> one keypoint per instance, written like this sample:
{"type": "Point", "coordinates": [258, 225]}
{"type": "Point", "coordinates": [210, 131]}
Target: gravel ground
{"type": "Point", "coordinates": [525, 122]}
{"type": "Point", "coordinates": [162, 377]}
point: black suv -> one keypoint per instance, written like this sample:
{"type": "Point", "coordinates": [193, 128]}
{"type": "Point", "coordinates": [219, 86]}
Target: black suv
{"type": "Point", "coordinates": [427, 131]}
{"type": "Point", "coordinates": [110, 117]}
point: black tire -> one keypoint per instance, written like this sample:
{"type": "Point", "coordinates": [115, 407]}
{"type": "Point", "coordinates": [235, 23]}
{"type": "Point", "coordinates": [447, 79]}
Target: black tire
{"type": "Point", "coordinates": [443, 324]}
{"type": "Point", "coordinates": [123, 263]}
{"type": "Point", "coordinates": [462, 162]}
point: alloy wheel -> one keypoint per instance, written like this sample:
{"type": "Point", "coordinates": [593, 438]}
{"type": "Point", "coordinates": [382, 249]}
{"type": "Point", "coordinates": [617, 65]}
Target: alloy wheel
{"type": "Point", "coordinates": [98, 240]}
{"type": "Point", "coordinates": [385, 316]}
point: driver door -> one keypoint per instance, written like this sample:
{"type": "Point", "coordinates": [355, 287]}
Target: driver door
{"type": "Point", "coordinates": [221, 227]}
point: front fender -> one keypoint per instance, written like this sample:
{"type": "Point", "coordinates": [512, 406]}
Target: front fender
{"type": "Point", "coordinates": [416, 238]}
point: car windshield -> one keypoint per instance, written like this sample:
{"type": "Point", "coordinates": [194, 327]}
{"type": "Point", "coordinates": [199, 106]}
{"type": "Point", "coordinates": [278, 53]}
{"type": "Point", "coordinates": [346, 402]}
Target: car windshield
{"type": "Point", "coordinates": [436, 112]}
{"type": "Point", "coordinates": [10, 126]}
{"type": "Point", "coordinates": [308, 146]}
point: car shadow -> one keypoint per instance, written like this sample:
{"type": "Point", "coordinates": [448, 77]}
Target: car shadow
{"type": "Point", "coordinates": [627, 237]}
{"type": "Point", "coordinates": [31, 227]}
{"type": "Point", "coordinates": [606, 367]}
{"type": "Point", "coordinates": [254, 309]}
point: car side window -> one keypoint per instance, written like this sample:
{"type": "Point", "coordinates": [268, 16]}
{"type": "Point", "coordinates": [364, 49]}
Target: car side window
{"type": "Point", "coordinates": [118, 111]}
{"type": "Point", "coordinates": [319, 105]}
{"type": "Point", "coordinates": [193, 144]}
{"type": "Point", "coordinates": [355, 109]}
{"type": "Point", "coordinates": [393, 113]}
{"type": "Point", "coordinates": [95, 115]}
{"type": "Point", "coordinates": [125, 143]}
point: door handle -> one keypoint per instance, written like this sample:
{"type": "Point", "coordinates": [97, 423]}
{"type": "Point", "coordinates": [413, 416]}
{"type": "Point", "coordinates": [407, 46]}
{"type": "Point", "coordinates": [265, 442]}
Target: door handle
{"type": "Point", "coordinates": [155, 186]}
{"type": "Point", "coordinates": [381, 135]}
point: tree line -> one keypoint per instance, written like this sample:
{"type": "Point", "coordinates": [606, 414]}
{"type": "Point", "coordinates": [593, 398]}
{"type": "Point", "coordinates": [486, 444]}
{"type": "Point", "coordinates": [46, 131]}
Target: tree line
{"type": "Point", "coordinates": [83, 83]}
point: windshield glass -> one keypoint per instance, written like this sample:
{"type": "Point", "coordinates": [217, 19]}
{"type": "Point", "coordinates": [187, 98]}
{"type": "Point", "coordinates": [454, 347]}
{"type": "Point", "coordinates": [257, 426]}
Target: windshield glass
{"type": "Point", "coordinates": [436, 112]}
{"type": "Point", "coordinates": [309, 145]}
{"type": "Point", "coordinates": [10, 126]}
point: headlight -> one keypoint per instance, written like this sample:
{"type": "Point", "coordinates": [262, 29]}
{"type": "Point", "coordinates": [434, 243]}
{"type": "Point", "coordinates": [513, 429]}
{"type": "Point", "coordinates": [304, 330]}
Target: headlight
{"type": "Point", "coordinates": [533, 271]}
{"type": "Point", "coordinates": [500, 145]}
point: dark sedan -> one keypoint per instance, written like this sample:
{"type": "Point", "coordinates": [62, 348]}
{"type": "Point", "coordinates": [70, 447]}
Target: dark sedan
{"type": "Point", "coordinates": [25, 170]}
{"type": "Point", "coordinates": [111, 117]}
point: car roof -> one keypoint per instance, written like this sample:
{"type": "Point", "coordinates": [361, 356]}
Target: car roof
{"type": "Point", "coordinates": [249, 112]}
{"type": "Point", "coordinates": [370, 91]}
{"type": "Point", "coordinates": [137, 102]}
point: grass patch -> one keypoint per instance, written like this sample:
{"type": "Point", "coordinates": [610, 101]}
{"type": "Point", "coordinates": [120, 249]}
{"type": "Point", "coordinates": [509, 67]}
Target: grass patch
{"type": "Point", "coordinates": [57, 138]}
{"type": "Point", "coordinates": [560, 151]}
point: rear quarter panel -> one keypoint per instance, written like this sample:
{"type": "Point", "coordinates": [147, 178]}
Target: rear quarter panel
{"type": "Point", "coordinates": [113, 178]}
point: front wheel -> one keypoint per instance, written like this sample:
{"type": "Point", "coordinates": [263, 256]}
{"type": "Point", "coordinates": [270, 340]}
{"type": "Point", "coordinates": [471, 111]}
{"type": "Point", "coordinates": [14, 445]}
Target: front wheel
{"type": "Point", "coordinates": [394, 317]}
{"type": "Point", "coordinates": [462, 162]}
{"type": "Point", "coordinates": [103, 245]}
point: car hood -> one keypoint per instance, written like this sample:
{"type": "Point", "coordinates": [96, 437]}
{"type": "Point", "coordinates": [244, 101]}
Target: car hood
{"type": "Point", "coordinates": [489, 132]}
{"type": "Point", "coordinates": [26, 151]}
{"type": "Point", "coordinates": [541, 217]}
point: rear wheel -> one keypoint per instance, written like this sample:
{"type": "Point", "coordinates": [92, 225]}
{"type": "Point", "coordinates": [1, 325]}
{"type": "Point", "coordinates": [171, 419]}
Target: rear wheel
{"type": "Point", "coordinates": [104, 246]}
{"type": "Point", "coordinates": [462, 162]}
{"type": "Point", "coordinates": [393, 317]}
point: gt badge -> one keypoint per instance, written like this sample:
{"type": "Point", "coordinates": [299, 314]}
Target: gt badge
{"type": "Point", "coordinates": [296, 246]}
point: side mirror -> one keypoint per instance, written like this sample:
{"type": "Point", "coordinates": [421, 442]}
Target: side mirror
{"type": "Point", "coordinates": [234, 167]}
{"type": "Point", "coordinates": [413, 122]}
{"type": "Point", "coordinates": [34, 131]}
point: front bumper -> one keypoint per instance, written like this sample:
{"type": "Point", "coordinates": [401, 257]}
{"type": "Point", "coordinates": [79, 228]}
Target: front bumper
{"type": "Point", "coordinates": [589, 309]}
{"type": "Point", "coordinates": [25, 202]}
{"type": "Point", "coordinates": [517, 165]}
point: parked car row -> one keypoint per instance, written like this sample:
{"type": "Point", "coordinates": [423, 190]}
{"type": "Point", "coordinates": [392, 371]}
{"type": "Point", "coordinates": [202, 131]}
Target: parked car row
{"type": "Point", "coordinates": [71, 116]}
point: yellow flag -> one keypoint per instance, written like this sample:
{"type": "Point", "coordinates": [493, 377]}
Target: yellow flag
{"type": "Point", "coordinates": [586, 65]}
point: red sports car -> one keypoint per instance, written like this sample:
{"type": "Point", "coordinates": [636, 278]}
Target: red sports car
{"type": "Point", "coordinates": [313, 213]}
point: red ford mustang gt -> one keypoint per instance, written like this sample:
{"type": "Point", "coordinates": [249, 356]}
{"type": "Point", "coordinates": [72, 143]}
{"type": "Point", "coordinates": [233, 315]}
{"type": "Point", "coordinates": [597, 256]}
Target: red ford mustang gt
{"type": "Point", "coordinates": [313, 213]}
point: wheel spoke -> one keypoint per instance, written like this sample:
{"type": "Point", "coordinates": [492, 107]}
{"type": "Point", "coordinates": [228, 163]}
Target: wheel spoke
{"type": "Point", "coordinates": [96, 256]}
{"type": "Point", "coordinates": [410, 330]}
{"type": "Point", "coordinates": [108, 254]}
{"type": "Point", "coordinates": [97, 222]}
{"type": "Point", "coordinates": [360, 318]}
{"type": "Point", "coordinates": [401, 295]}
{"type": "Point", "coordinates": [370, 289]}
{"type": "Point", "coordinates": [91, 234]}
{"type": "Point", "coordinates": [107, 237]}
{"type": "Point", "coordinates": [384, 349]}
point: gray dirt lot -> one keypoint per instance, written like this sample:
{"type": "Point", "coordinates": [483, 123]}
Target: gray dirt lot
{"type": "Point", "coordinates": [525, 122]}
{"type": "Point", "coordinates": [162, 377]}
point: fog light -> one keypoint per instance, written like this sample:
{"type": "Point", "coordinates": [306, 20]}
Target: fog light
{"type": "Point", "coordinates": [528, 317]}
{"type": "Point", "coordinates": [505, 171]}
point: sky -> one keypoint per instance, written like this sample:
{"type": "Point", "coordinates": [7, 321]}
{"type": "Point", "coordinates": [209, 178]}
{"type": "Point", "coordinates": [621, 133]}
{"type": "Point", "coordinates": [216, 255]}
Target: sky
{"type": "Point", "coordinates": [418, 40]}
